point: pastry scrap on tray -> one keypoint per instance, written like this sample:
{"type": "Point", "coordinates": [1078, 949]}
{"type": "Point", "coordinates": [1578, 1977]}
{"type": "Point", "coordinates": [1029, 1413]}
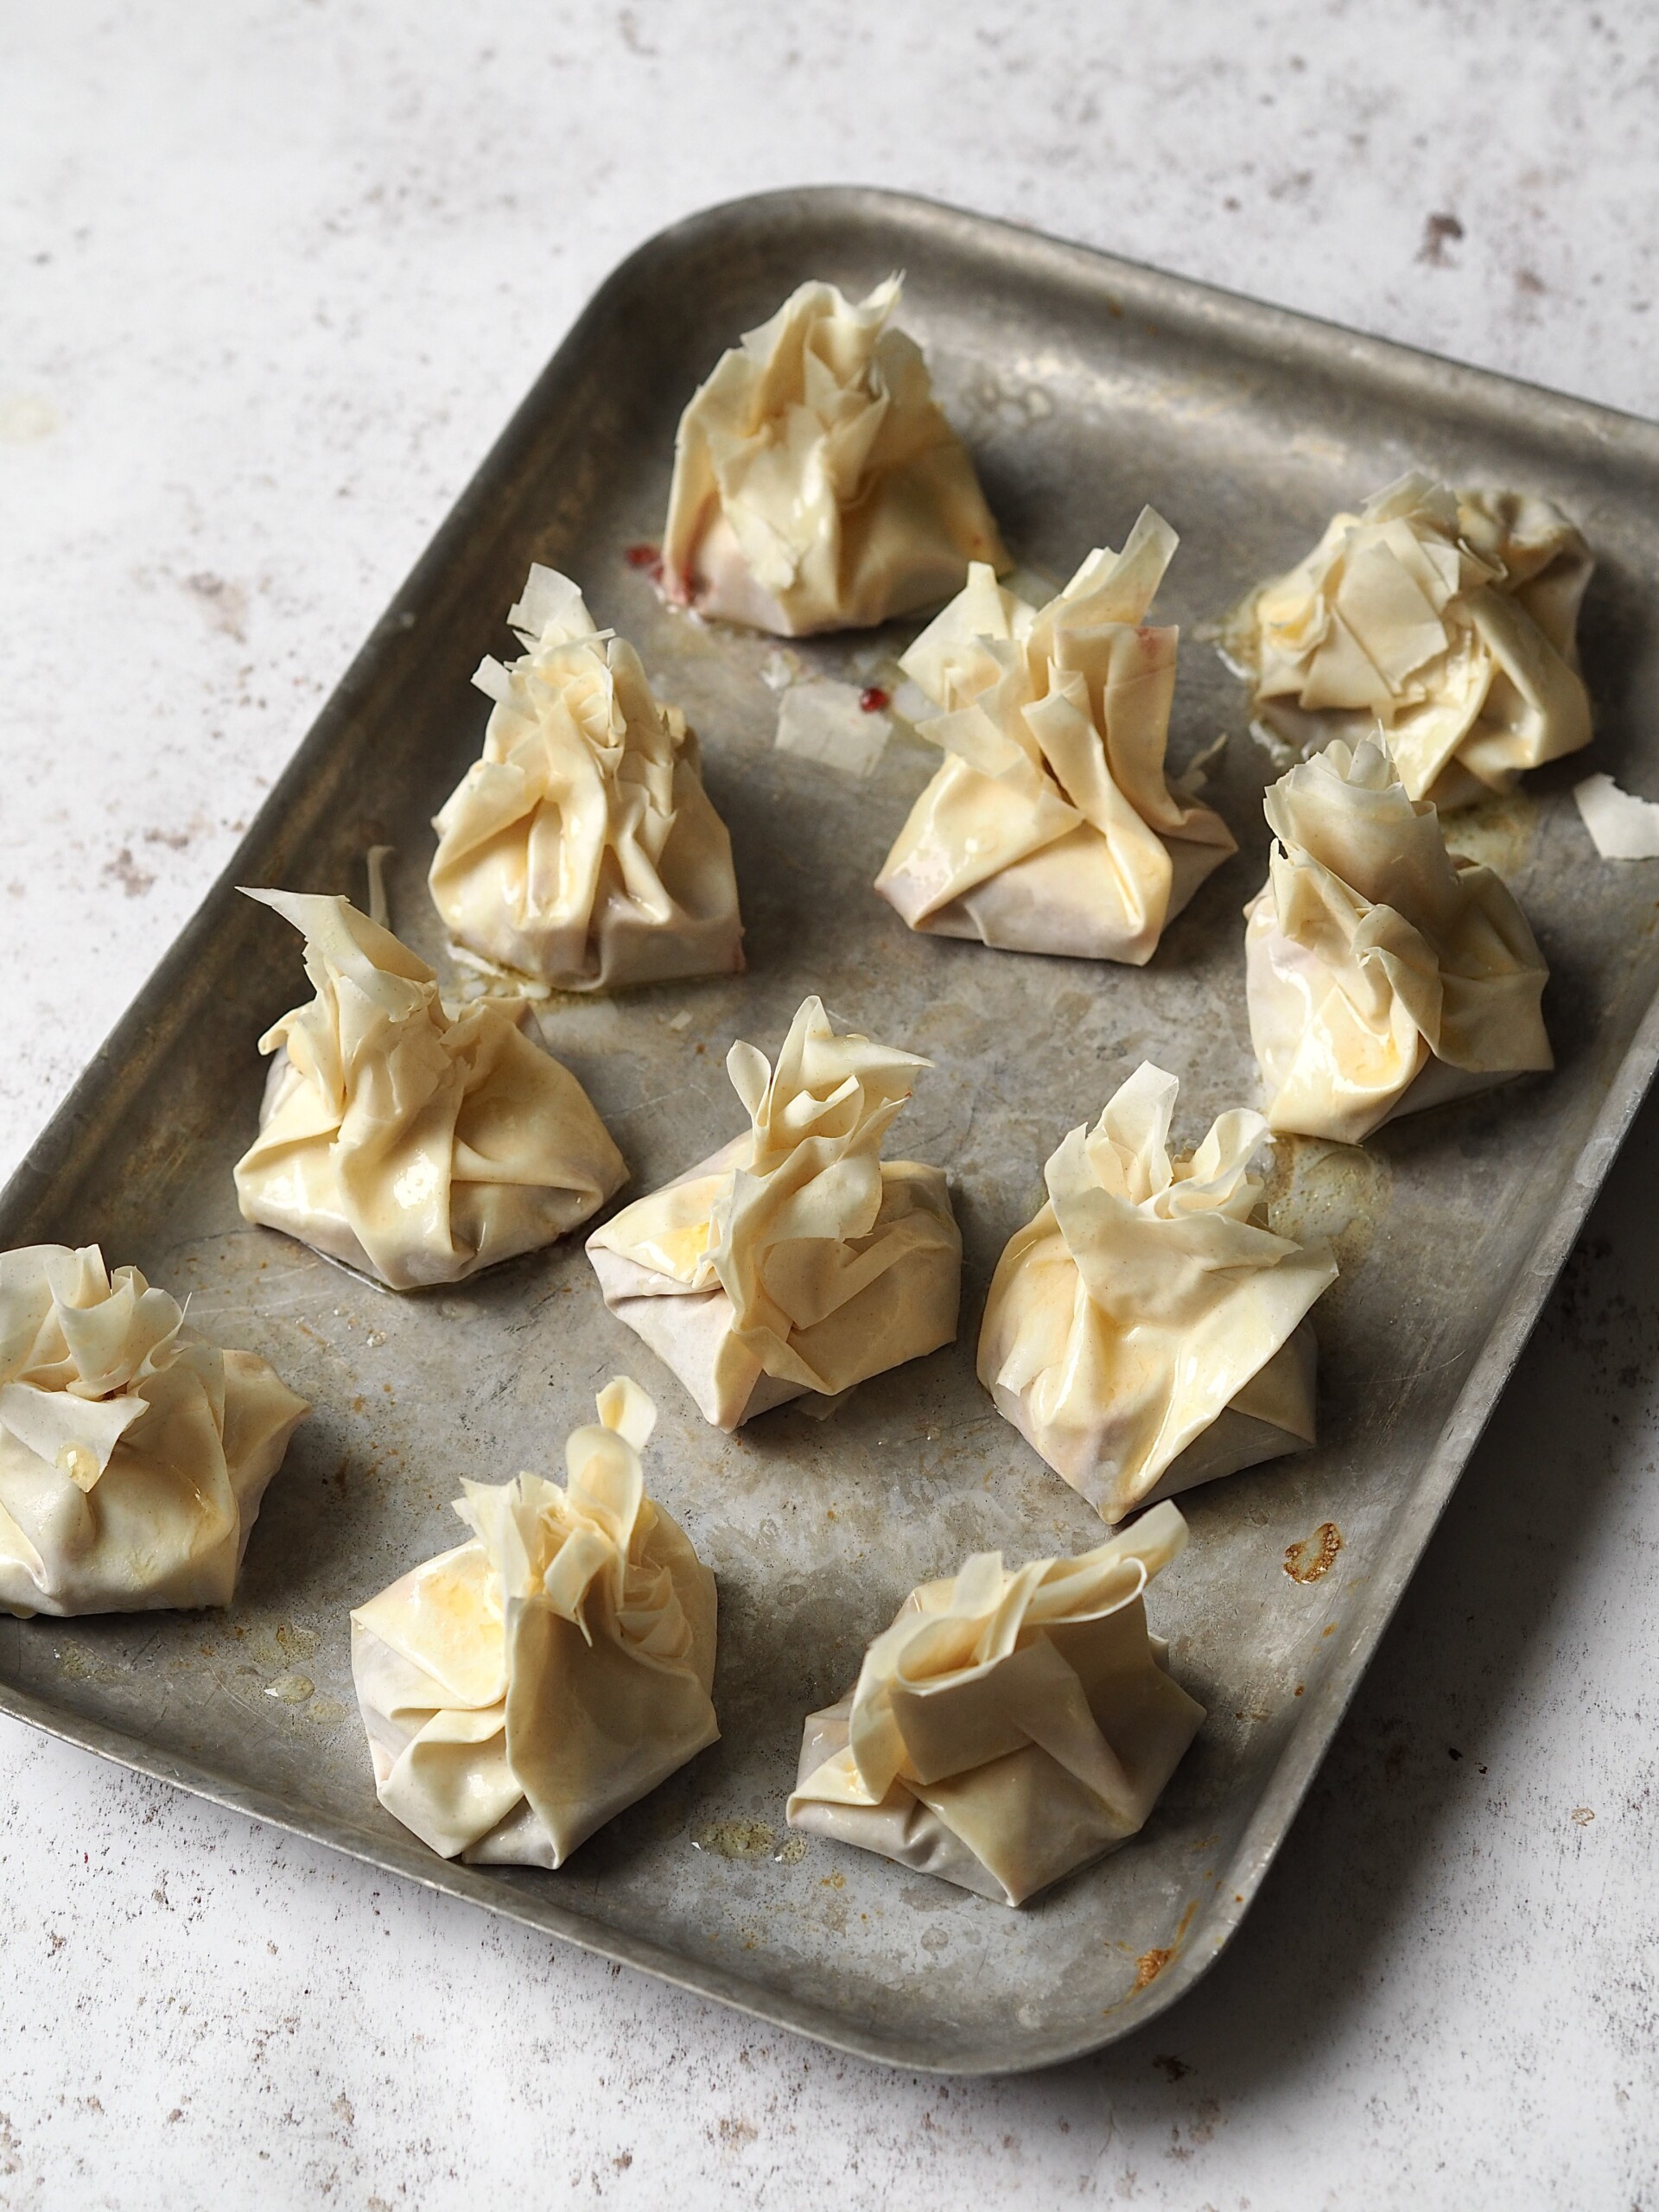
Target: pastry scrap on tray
{"type": "Point", "coordinates": [818, 485]}
{"type": "Point", "coordinates": [1051, 826]}
{"type": "Point", "coordinates": [1146, 1332]}
{"type": "Point", "coordinates": [1012, 1724]}
{"type": "Point", "coordinates": [1384, 973]}
{"type": "Point", "coordinates": [133, 1454]}
{"type": "Point", "coordinates": [1448, 618]}
{"type": "Point", "coordinates": [795, 1262]}
{"type": "Point", "coordinates": [519, 1691]}
{"type": "Point", "coordinates": [582, 850]}
{"type": "Point", "coordinates": [414, 1145]}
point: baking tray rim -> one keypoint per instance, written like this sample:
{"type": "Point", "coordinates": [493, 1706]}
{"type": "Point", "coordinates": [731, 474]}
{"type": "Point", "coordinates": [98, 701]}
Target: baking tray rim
{"type": "Point", "coordinates": [84, 1120]}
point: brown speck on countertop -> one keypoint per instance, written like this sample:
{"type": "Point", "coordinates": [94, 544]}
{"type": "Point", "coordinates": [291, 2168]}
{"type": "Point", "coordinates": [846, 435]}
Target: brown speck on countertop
{"type": "Point", "coordinates": [1173, 2069]}
{"type": "Point", "coordinates": [124, 870]}
{"type": "Point", "coordinates": [1438, 233]}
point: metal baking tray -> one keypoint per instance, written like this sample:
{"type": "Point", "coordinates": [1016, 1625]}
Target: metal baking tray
{"type": "Point", "coordinates": [1085, 385]}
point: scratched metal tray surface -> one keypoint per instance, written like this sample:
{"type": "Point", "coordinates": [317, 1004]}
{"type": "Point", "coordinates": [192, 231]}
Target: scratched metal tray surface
{"type": "Point", "coordinates": [1084, 386]}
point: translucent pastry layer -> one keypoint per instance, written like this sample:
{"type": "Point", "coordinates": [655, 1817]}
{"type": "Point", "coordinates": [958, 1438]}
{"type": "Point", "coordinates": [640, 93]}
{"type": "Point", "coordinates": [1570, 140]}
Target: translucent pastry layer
{"type": "Point", "coordinates": [519, 1691]}
{"type": "Point", "coordinates": [1146, 1332]}
{"type": "Point", "coordinates": [1448, 618]}
{"type": "Point", "coordinates": [1051, 827]}
{"type": "Point", "coordinates": [416, 1146]}
{"type": "Point", "coordinates": [818, 485]}
{"type": "Point", "coordinates": [796, 1260]}
{"type": "Point", "coordinates": [581, 849]}
{"type": "Point", "coordinates": [133, 1454]}
{"type": "Point", "coordinates": [1012, 1724]}
{"type": "Point", "coordinates": [1384, 974]}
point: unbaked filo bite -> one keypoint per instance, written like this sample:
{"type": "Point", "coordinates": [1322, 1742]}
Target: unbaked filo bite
{"type": "Point", "coordinates": [581, 851]}
{"type": "Point", "coordinates": [1384, 974]}
{"type": "Point", "coordinates": [519, 1691]}
{"type": "Point", "coordinates": [414, 1144]}
{"type": "Point", "coordinates": [1450, 618]}
{"type": "Point", "coordinates": [1147, 1331]}
{"type": "Point", "coordinates": [795, 1262]}
{"type": "Point", "coordinates": [818, 485]}
{"type": "Point", "coordinates": [1012, 1724]}
{"type": "Point", "coordinates": [1051, 826]}
{"type": "Point", "coordinates": [133, 1452]}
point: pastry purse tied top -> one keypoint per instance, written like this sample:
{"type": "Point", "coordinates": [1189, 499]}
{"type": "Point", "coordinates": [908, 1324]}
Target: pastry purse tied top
{"type": "Point", "coordinates": [1449, 619]}
{"type": "Point", "coordinates": [795, 1260]}
{"type": "Point", "coordinates": [818, 485]}
{"type": "Point", "coordinates": [520, 1690]}
{"type": "Point", "coordinates": [1051, 826]}
{"type": "Point", "coordinates": [133, 1454]}
{"type": "Point", "coordinates": [582, 850]}
{"type": "Point", "coordinates": [1383, 973]}
{"type": "Point", "coordinates": [412, 1144]}
{"type": "Point", "coordinates": [1011, 1726]}
{"type": "Point", "coordinates": [1146, 1333]}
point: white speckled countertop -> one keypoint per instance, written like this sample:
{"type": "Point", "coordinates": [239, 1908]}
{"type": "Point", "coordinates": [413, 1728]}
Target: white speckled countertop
{"type": "Point", "coordinates": [274, 274]}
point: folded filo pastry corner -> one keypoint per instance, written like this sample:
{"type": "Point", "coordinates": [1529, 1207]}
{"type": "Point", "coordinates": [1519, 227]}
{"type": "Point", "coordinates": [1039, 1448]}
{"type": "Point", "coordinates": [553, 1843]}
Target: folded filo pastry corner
{"type": "Point", "coordinates": [414, 1144]}
{"type": "Point", "coordinates": [1012, 1724]}
{"type": "Point", "coordinates": [1147, 1331]}
{"type": "Point", "coordinates": [133, 1454]}
{"type": "Point", "coordinates": [795, 1262]}
{"type": "Point", "coordinates": [1383, 973]}
{"type": "Point", "coordinates": [818, 485]}
{"type": "Point", "coordinates": [1449, 619]}
{"type": "Point", "coordinates": [582, 850]}
{"type": "Point", "coordinates": [1051, 826]}
{"type": "Point", "coordinates": [519, 1691]}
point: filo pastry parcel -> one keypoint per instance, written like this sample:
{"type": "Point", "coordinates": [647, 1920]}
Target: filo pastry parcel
{"type": "Point", "coordinates": [796, 1261]}
{"type": "Point", "coordinates": [411, 1143]}
{"type": "Point", "coordinates": [522, 1689]}
{"type": "Point", "coordinates": [1147, 1330]}
{"type": "Point", "coordinates": [1013, 1724]}
{"type": "Point", "coordinates": [1447, 621]}
{"type": "Point", "coordinates": [1051, 826]}
{"type": "Point", "coordinates": [818, 485]}
{"type": "Point", "coordinates": [1383, 973]}
{"type": "Point", "coordinates": [134, 1452]}
{"type": "Point", "coordinates": [582, 850]}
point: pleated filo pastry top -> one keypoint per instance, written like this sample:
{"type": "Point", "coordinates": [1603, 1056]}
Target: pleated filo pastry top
{"type": "Point", "coordinates": [521, 1690]}
{"type": "Point", "coordinates": [1051, 826]}
{"type": "Point", "coordinates": [411, 1143]}
{"type": "Point", "coordinates": [818, 485]}
{"type": "Point", "coordinates": [582, 850]}
{"type": "Point", "coordinates": [1012, 1724]}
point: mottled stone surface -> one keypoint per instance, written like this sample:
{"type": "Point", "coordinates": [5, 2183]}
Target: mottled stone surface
{"type": "Point", "coordinates": [273, 278]}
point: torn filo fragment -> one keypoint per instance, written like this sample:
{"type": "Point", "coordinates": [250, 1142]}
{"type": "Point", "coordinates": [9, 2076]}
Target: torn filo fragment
{"type": "Point", "coordinates": [1051, 826]}
{"type": "Point", "coordinates": [519, 1691]}
{"type": "Point", "coordinates": [1448, 618]}
{"type": "Point", "coordinates": [1622, 826]}
{"type": "Point", "coordinates": [1012, 1724]}
{"type": "Point", "coordinates": [1383, 973]}
{"type": "Point", "coordinates": [1146, 1332]}
{"type": "Point", "coordinates": [413, 1145]}
{"type": "Point", "coordinates": [133, 1454]}
{"type": "Point", "coordinates": [818, 485]}
{"type": "Point", "coordinates": [795, 1262]}
{"type": "Point", "coordinates": [581, 849]}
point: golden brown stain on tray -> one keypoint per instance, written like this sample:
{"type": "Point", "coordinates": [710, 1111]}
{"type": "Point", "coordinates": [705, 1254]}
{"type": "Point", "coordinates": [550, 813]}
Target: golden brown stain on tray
{"type": "Point", "coordinates": [1151, 1964]}
{"type": "Point", "coordinates": [1312, 1556]}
